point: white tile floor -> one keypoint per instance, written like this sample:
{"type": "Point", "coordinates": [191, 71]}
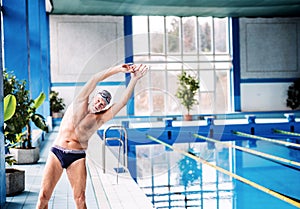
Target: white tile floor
{"type": "Point", "coordinates": [62, 195]}
{"type": "Point", "coordinates": [102, 190]}
{"type": "Point", "coordinates": [113, 192]}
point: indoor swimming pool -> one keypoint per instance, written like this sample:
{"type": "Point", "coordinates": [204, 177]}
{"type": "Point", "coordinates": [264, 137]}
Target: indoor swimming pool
{"type": "Point", "coordinates": [173, 180]}
{"type": "Point", "coordinates": [216, 164]}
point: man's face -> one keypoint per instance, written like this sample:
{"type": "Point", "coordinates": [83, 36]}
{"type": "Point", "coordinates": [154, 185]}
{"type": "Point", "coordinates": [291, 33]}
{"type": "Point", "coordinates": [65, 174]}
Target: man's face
{"type": "Point", "coordinates": [98, 103]}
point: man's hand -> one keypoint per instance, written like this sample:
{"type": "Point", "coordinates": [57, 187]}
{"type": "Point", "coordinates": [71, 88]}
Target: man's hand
{"type": "Point", "coordinates": [139, 70]}
{"type": "Point", "coordinates": [127, 68]}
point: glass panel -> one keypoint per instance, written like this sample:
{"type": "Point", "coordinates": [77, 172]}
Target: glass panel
{"type": "Point", "coordinates": [157, 95]}
{"type": "Point", "coordinates": [207, 82]}
{"type": "Point", "coordinates": [157, 34]}
{"type": "Point", "coordinates": [205, 34]}
{"type": "Point", "coordinates": [173, 36]}
{"type": "Point", "coordinates": [140, 34]}
{"type": "Point", "coordinates": [206, 102]}
{"type": "Point", "coordinates": [189, 34]}
{"type": "Point", "coordinates": [222, 91]}
{"type": "Point", "coordinates": [173, 104]}
{"type": "Point", "coordinates": [139, 25]}
{"type": "Point", "coordinates": [141, 97]}
{"type": "Point", "coordinates": [221, 35]}
{"type": "Point", "coordinates": [158, 101]}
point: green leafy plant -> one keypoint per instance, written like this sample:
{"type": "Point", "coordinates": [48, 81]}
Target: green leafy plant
{"type": "Point", "coordinates": [10, 104]}
{"type": "Point", "coordinates": [56, 102]}
{"type": "Point", "coordinates": [18, 127]}
{"type": "Point", "coordinates": [293, 95]}
{"type": "Point", "coordinates": [187, 89]}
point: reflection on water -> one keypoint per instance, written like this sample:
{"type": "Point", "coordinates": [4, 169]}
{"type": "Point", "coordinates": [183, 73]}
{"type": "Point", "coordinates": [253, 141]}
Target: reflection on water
{"type": "Point", "coordinates": [172, 180]}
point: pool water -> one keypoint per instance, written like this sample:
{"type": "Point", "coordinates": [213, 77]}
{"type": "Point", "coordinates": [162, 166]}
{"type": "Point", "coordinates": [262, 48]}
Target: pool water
{"type": "Point", "coordinates": [172, 180]}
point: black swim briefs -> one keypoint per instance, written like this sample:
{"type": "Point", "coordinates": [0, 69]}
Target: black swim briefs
{"type": "Point", "coordinates": [66, 156]}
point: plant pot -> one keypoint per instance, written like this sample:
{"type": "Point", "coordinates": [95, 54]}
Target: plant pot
{"type": "Point", "coordinates": [15, 181]}
{"type": "Point", "coordinates": [188, 117]}
{"type": "Point", "coordinates": [26, 156]}
{"type": "Point", "coordinates": [57, 114]}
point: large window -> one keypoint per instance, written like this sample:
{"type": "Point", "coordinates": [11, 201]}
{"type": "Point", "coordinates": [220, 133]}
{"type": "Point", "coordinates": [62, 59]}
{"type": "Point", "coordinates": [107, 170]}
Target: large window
{"type": "Point", "coordinates": [198, 45]}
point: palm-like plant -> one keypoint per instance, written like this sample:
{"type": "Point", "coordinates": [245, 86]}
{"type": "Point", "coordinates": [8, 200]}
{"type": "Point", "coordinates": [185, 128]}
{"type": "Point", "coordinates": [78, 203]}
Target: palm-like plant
{"type": "Point", "coordinates": [18, 127]}
{"type": "Point", "coordinates": [10, 104]}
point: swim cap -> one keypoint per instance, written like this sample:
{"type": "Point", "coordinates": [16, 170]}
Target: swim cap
{"type": "Point", "coordinates": [105, 95]}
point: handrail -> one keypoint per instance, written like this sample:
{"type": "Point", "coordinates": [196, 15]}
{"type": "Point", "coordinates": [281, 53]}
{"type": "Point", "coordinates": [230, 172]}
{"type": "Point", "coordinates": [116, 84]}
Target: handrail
{"type": "Point", "coordinates": [123, 132]}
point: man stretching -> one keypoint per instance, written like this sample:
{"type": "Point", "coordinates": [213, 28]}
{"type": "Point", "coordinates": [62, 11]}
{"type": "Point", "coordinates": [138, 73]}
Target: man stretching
{"type": "Point", "coordinates": [81, 120]}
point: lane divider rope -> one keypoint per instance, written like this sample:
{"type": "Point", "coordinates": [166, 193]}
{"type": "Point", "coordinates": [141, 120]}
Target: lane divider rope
{"type": "Point", "coordinates": [238, 133]}
{"type": "Point", "coordinates": [278, 195]}
{"type": "Point", "coordinates": [254, 152]}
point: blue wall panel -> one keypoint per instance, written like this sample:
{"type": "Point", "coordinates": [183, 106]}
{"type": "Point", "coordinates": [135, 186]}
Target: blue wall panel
{"type": "Point", "coordinates": [45, 55]}
{"type": "Point", "coordinates": [27, 54]}
{"type": "Point", "coordinates": [15, 38]}
{"type": "Point", "coordinates": [2, 161]}
{"type": "Point", "coordinates": [35, 49]}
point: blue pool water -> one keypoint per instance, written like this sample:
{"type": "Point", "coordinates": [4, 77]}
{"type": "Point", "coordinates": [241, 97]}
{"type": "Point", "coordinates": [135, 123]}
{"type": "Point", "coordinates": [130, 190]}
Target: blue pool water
{"type": "Point", "coordinates": [172, 180]}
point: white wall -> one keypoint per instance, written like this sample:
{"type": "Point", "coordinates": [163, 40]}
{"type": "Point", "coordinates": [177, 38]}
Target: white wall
{"type": "Point", "coordinates": [264, 96]}
{"type": "Point", "coordinates": [269, 50]}
{"type": "Point", "coordinates": [81, 46]}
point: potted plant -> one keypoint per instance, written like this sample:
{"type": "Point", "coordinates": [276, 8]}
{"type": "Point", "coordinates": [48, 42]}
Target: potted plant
{"type": "Point", "coordinates": [18, 128]}
{"type": "Point", "coordinates": [15, 178]}
{"type": "Point", "coordinates": [293, 95]}
{"type": "Point", "coordinates": [187, 89]}
{"type": "Point", "coordinates": [56, 104]}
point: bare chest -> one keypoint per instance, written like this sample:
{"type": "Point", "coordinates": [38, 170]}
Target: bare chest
{"type": "Point", "coordinates": [87, 126]}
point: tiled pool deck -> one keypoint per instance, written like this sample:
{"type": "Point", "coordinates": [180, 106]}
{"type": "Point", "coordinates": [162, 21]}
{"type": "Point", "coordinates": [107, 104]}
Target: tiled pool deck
{"type": "Point", "coordinates": [103, 191]}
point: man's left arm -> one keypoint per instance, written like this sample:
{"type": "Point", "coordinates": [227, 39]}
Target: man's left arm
{"type": "Point", "coordinates": [138, 73]}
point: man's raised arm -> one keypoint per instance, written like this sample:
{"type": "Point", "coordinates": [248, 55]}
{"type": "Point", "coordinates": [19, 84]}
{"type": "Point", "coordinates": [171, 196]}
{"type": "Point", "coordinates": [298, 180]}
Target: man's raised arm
{"type": "Point", "coordinates": [91, 84]}
{"type": "Point", "coordinates": [138, 72]}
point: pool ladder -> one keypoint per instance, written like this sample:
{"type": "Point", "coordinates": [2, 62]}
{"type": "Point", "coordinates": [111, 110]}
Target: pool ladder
{"type": "Point", "coordinates": [122, 139]}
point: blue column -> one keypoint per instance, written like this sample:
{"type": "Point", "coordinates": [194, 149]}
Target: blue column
{"type": "Point", "coordinates": [2, 151]}
{"type": "Point", "coordinates": [27, 54]}
{"type": "Point", "coordinates": [128, 57]}
{"type": "Point", "coordinates": [34, 78]}
{"type": "Point", "coordinates": [39, 75]}
{"type": "Point", "coordinates": [45, 56]}
{"type": "Point", "coordinates": [236, 64]}
{"type": "Point", "coordinates": [16, 57]}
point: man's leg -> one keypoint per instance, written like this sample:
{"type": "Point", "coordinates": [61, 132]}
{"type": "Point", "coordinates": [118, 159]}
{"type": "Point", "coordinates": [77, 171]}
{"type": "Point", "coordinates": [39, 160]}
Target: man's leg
{"type": "Point", "coordinates": [77, 176]}
{"type": "Point", "coordinates": [52, 173]}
